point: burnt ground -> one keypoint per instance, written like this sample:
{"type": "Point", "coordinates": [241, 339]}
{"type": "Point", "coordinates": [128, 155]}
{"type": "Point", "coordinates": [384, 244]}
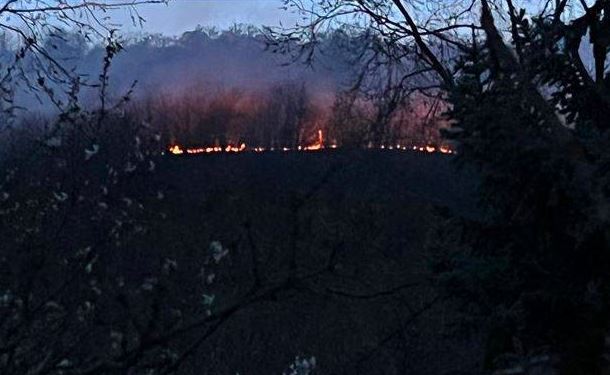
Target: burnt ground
{"type": "Point", "coordinates": [375, 312]}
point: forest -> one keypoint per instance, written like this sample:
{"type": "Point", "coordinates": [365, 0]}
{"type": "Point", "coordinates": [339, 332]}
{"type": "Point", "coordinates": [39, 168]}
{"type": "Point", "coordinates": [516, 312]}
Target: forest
{"type": "Point", "coordinates": [379, 187]}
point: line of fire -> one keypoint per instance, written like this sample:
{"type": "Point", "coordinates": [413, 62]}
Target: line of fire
{"type": "Point", "coordinates": [293, 118]}
{"type": "Point", "coordinates": [319, 145]}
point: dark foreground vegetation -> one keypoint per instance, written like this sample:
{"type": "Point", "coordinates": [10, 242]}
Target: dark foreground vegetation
{"type": "Point", "coordinates": [242, 263]}
{"type": "Point", "coordinates": [357, 222]}
{"type": "Point", "coordinates": [118, 260]}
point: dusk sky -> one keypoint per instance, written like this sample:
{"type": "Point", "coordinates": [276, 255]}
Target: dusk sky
{"type": "Point", "coordinates": [184, 15]}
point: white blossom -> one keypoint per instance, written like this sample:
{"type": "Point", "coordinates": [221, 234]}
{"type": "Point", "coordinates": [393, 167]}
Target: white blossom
{"type": "Point", "coordinates": [208, 299]}
{"type": "Point", "coordinates": [61, 197]}
{"type": "Point", "coordinates": [6, 298]}
{"type": "Point", "coordinates": [169, 265]}
{"type": "Point", "coordinates": [218, 252]}
{"type": "Point", "coordinates": [53, 305]}
{"type": "Point", "coordinates": [53, 142]}
{"type": "Point", "coordinates": [302, 366]}
{"type": "Point", "coordinates": [89, 153]}
{"type": "Point", "coordinates": [149, 284]}
{"type": "Point", "coordinates": [130, 167]}
{"type": "Point", "coordinates": [89, 266]}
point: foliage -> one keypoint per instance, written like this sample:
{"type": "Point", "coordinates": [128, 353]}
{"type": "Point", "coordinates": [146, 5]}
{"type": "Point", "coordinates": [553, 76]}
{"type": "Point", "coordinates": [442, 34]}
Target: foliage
{"type": "Point", "coordinates": [535, 261]}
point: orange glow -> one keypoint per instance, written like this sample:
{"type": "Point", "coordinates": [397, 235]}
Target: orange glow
{"type": "Point", "coordinates": [445, 150]}
{"type": "Point", "coordinates": [318, 145]}
{"type": "Point", "coordinates": [176, 150]}
{"type": "Point", "coordinates": [239, 148]}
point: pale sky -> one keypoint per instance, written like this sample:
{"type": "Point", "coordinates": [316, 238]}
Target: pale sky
{"type": "Point", "coordinates": [184, 15]}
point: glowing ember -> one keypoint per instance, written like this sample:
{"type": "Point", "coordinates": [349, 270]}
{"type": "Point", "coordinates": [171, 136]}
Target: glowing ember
{"type": "Point", "coordinates": [445, 150]}
{"type": "Point", "coordinates": [241, 148]}
{"type": "Point", "coordinates": [318, 145]}
{"type": "Point", "coordinates": [176, 150]}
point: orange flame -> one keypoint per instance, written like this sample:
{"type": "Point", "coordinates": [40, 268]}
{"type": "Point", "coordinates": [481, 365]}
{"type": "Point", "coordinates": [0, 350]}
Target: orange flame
{"type": "Point", "coordinates": [317, 145]}
{"type": "Point", "coordinates": [445, 150]}
{"type": "Point", "coordinates": [176, 150]}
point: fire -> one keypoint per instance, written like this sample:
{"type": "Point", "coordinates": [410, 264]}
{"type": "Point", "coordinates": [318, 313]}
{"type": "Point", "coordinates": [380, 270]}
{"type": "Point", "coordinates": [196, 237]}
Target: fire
{"type": "Point", "coordinates": [445, 150]}
{"type": "Point", "coordinates": [176, 150]}
{"type": "Point", "coordinates": [241, 148]}
{"type": "Point", "coordinates": [317, 145]}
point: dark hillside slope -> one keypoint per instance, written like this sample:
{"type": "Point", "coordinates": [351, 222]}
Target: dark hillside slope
{"type": "Point", "coordinates": [372, 208]}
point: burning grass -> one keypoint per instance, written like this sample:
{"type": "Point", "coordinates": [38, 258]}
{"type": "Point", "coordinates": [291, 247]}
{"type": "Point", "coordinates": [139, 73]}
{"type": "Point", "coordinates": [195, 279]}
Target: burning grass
{"type": "Point", "coordinates": [318, 145]}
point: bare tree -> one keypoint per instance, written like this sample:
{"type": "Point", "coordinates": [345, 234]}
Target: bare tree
{"type": "Point", "coordinates": [27, 27]}
{"type": "Point", "coordinates": [287, 113]}
{"type": "Point", "coordinates": [492, 60]}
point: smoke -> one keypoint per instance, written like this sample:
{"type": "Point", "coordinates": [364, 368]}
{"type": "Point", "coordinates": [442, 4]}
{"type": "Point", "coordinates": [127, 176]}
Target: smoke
{"type": "Point", "coordinates": [209, 59]}
{"type": "Point", "coordinates": [208, 86]}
